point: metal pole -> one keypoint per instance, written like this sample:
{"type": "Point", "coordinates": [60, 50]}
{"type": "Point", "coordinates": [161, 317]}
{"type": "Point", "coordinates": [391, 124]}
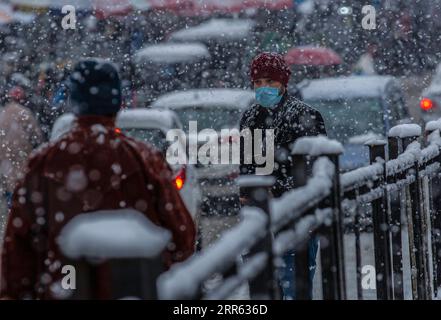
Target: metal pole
{"type": "Point", "coordinates": [358, 248]}
{"type": "Point", "coordinates": [395, 148]}
{"type": "Point", "coordinates": [382, 247]}
{"type": "Point", "coordinates": [436, 232]}
{"type": "Point", "coordinates": [435, 221]}
{"type": "Point", "coordinates": [418, 243]}
{"type": "Point", "coordinates": [302, 288]}
{"type": "Point", "coordinates": [338, 226]}
{"type": "Point", "coordinates": [265, 285]}
{"type": "Point", "coordinates": [353, 195]}
{"type": "Point", "coordinates": [436, 229]}
{"type": "Point", "coordinates": [332, 244]}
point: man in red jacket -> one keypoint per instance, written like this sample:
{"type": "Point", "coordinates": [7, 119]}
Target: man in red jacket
{"type": "Point", "coordinates": [92, 167]}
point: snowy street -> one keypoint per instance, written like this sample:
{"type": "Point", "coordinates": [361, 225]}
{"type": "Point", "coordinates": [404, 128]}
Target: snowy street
{"type": "Point", "coordinates": [220, 150]}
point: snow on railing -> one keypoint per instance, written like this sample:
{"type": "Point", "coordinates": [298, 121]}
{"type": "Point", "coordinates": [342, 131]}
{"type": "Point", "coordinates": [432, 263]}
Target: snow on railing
{"type": "Point", "coordinates": [404, 161]}
{"type": "Point", "coordinates": [297, 201]}
{"type": "Point", "coordinates": [434, 137]}
{"type": "Point", "coordinates": [316, 146]}
{"type": "Point", "coordinates": [184, 280]}
{"type": "Point", "coordinates": [360, 176]}
{"type": "Point", "coordinates": [289, 239]}
{"type": "Point", "coordinates": [433, 125]}
{"type": "Point", "coordinates": [106, 234]}
{"type": "Point", "coordinates": [405, 131]}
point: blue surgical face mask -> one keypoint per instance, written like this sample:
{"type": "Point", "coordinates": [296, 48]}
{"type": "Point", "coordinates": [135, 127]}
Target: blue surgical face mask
{"type": "Point", "coordinates": [268, 97]}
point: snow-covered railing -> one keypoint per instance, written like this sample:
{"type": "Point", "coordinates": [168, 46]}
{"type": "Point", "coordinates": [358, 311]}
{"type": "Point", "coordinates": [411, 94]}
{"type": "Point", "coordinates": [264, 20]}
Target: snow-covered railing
{"type": "Point", "coordinates": [314, 206]}
{"type": "Point", "coordinates": [124, 242]}
{"type": "Point", "coordinates": [361, 176]}
{"type": "Point", "coordinates": [241, 238]}
{"type": "Point", "coordinates": [287, 240]}
{"type": "Point", "coordinates": [289, 217]}
{"type": "Point", "coordinates": [402, 177]}
{"type": "Point", "coordinates": [293, 203]}
{"type": "Point", "coordinates": [185, 280]}
{"type": "Point", "coordinates": [366, 176]}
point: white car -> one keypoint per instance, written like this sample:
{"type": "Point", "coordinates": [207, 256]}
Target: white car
{"type": "Point", "coordinates": [219, 30]}
{"type": "Point", "coordinates": [229, 42]}
{"type": "Point", "coordinates": [165, 67]}
{"type": "Point", "coordinates": [150, 126]}
{"type": "Point", "coordinates": [215, 109]}
{"type": "Point", "coordinates": [356, 109]}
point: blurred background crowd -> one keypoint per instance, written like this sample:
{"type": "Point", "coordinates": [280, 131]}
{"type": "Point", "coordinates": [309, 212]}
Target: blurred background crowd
{"type": "Point", "coordinates": [36, 53]}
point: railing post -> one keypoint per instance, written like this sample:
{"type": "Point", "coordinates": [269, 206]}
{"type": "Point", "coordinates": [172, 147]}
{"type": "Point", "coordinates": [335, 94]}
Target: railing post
{"type": "Point", "coordinates": [302, 287]}
{"type": "Point", "coordinates": [114, 268]}
{"type": "Point", "coordinates": [331, 235]}
{"type": "Point", "coordinates": [396, 201]}
{"type": "Point", "coordinates": [415, 190]}
{"type": "Point", "coordinates": [338, 224]}
{"type": "Point", "coordinates": [380, 219]}
{"type": "Point", "coordinates": [435, 212]}
{"type": "Point", "coordinates": [265, 285]}
{"type": "Point", "coordinates": [355, 194]}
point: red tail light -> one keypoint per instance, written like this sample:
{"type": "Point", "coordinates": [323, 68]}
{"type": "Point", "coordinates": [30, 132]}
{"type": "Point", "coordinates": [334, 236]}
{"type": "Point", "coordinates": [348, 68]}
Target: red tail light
{"type": "Point", "coordinates": [426, 104]}
{"type": "Point", "coordinates": [117, 130]}
{"type": "Point", "coordinates": [179, 179]}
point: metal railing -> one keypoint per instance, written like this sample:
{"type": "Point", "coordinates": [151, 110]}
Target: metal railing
{"type": "Point", "coordinates": [398, 192]}
{"type": "Point", "coordinates": [399, 186]}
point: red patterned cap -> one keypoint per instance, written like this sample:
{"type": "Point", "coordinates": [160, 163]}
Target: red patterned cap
{"type": "Point", "coordinates": [270, 65]}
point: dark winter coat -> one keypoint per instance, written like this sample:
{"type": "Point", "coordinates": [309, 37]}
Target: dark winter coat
{"type": "Point", "coordinates": [93, 167]}
{"type": "Point", "coordinates": [290, 119]}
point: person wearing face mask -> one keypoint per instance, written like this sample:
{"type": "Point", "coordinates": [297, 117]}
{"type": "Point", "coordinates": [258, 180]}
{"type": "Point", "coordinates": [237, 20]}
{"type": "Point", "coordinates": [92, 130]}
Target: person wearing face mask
{"type": "Point", "coordinates": [291, 119]}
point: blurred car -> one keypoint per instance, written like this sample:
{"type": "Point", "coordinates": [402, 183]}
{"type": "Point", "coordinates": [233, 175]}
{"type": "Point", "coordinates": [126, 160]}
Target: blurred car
{"type": "Point", "coordinates": [166, 67]}
{"type": "Point", "coordinates": [356, 109]}
{"type": "Point", "coordinates": [151, 126]}
{"type": "Point", "coordinates": [215, 109]}
{"type": "Point", "coordinates": [228, 41]}
{"type": "Point", "coordinates": [430, 102]}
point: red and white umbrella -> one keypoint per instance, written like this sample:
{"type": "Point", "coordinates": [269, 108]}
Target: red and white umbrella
{"type": "Point", "coordinates": [312, 56]}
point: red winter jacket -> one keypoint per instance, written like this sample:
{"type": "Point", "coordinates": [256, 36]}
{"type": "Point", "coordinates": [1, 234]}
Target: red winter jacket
{"type": "Point", "coordinates": [93, 167]}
